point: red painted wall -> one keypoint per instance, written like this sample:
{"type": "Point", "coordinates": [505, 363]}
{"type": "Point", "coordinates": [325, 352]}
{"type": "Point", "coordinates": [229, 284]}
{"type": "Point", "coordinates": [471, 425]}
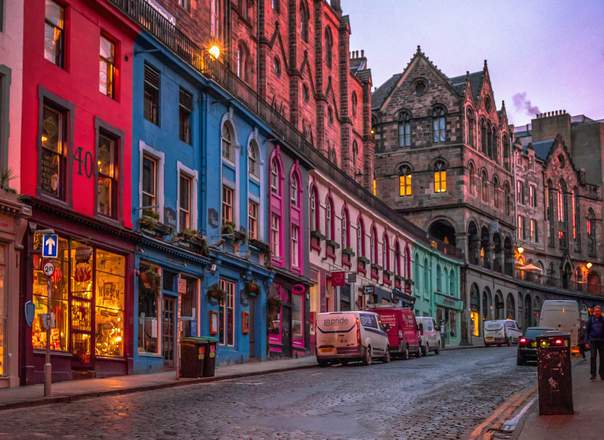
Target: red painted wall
{"type": "Point", "coordinates": [78, 84]}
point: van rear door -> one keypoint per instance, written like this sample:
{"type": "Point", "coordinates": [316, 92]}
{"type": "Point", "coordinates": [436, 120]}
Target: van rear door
{"type": "Point", "coordinates": [336, 331]}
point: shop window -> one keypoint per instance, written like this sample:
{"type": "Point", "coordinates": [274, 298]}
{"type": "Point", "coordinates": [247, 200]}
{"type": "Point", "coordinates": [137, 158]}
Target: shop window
{"type": "Point", "coordinates": [297, 316]}
{"type": "Point", "coordinates": [54, 33]}
{"type": "Point", "coordinates": [275, 177]}
{"type": "Point", "coordinates": [228, 195]}
{"type": "Point", "coordinates": [294, 187]}
{"type": "Point", "coordinates": [107, 168]}
{"type": "Point", "coordinates": [295, 246]}
{"type": "Point", "coordinates": [109, 303]}
{"type": "Point", "coordinates": [149, 184]}
{"type": "Point", "coordinates": [151, 95]}
{"type": "Point", "coordinates": [184, 201]}
{"type": "Point", "coordinates": [185, 109]}
{"type": "Point", "coordinates": [107, 67]}
{"type": "Point", "coordinates": [475, 318]}
{"type": "Point", "coordinates": [53, 154]}
{"type": "Point", "coordinates": [188, 305]}
{"type": "Point", "coordinates": [148, 309]}
{"type": "Point", "coordinates": [253, 220]}
{"type": "Point", "coordinates": [226, 319]}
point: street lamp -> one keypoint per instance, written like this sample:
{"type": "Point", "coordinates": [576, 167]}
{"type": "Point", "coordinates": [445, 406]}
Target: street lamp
{"type": "Point", "coordinates": [520, 250]}
{"type": "Point", "coordinates": [214, 51]}
{"type": "Point", "coordinates": [588, 265]}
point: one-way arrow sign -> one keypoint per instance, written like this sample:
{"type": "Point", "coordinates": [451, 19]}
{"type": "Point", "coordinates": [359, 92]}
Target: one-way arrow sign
{"type": "Point", "coordinates": [50, 246]}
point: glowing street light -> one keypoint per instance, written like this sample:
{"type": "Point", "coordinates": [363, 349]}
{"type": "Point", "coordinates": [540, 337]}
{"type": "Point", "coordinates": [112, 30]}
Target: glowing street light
{"type": "Point", "coordinates": [588, 265]}
{"type": "Point", "coordinates": [214, 51]}
{"type": "Point", "coordinates": [520, 250]}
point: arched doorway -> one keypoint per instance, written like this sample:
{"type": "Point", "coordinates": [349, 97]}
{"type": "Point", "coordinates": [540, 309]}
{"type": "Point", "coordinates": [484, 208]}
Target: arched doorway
{"type": "Point", "coordinates": [486, 304]}
{"type": "Point", "coordinates": [510, 307]}
{"type": "Point", "coordinates": [475, 310]}
{"type": "Point", "coordinates": [443, 230]}
{"type": "Point", "coordinates": [508, 256]}
{"type": "Point", "coordinates": [566, 275]}
{"type": "Point", "coordinates": [593, 283]}
{"type": "Point", "coordinates": [497, 252]}
{"type": "Point", "coordinates": [485, 248]}
{"type": "Point", "coordinates": [528, 311]}
{"type": "Point", "coordinates": [499, 305]}
{"type": "Point", "coordinates": [473, 243]}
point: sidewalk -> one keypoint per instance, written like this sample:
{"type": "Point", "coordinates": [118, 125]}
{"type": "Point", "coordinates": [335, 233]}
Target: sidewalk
{"type": "Point", "coordinates": [79, 389]}
{"type": "Point", "coordinates": [585, 424]}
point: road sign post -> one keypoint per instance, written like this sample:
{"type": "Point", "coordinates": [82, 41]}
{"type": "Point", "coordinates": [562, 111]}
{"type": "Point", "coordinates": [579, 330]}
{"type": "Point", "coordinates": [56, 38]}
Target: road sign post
{"type": "Point", "coordinates": [49, 269]}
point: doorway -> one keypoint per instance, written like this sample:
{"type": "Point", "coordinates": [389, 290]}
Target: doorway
{"type": "Point", "coordinates": [287, 329]}
{"type": "Point", "coordinates": [168, 330]}
{"type": "Point", "coordinates": [252, 327]}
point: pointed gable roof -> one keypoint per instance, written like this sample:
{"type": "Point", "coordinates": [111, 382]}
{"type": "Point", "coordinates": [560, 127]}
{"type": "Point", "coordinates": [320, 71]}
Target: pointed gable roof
{"type": "Point", "coordinates": [476, 80]}
{"type": "Point", "coordinates": [382, 92]}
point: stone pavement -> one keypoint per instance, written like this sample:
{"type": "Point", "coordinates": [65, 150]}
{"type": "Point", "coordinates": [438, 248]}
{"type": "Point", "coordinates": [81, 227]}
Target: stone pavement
{"type": "Point", "coordinates": [584, 424]}
{"type": "Point", "coordinates": [77, 389]}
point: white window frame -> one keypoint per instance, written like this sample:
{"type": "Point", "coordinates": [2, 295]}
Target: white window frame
{"type": "Point", "coordinates": [295, 246]}
{"type": "Point", "coordinates": [255, 200]}
{"type": "Point", "coordinates": [193, 174]}
{"type": "Point", "coordinates": [160, 156]}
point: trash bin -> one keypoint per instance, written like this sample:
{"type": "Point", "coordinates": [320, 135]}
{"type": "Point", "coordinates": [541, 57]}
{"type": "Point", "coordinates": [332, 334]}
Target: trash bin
{"type": "Point", "coordinates": [554, 374]}
{"type": "Point", "coordinates": [209, 363]}
{"type": "Point", "coordinates": [192, 354]}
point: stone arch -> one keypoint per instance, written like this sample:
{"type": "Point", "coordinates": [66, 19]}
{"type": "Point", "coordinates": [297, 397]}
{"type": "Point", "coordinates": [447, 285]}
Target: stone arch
{"type": "Point", "coordinates": [508, 256]}
{"type": "Point", "coordinates": [485, 247]}
{"type": "Point", "coordinates": [497, 252]}
{"type": "Point", "coordinates": [443, 230]}
{"type": "Point", "coordinates": [499, 309]}
{"type": "Point", "coordinates": [510, 306]}
{"type": "Point", "coordinates": [475, 316]}
{"type": "Point", "coordinates": [473, 243]}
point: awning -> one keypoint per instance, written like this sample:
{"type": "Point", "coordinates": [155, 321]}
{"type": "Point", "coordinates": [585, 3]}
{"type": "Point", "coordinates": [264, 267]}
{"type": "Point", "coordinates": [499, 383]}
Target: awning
{"type": "Point", "coordinates": [530, 267]}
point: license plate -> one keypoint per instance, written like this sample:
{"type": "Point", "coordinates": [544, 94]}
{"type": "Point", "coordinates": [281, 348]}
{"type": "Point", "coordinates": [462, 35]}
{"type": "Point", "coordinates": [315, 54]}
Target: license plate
{"type": "Point", "coordinates": [325, 350]}
{"type": "Point", "coordinates": [489, 338]}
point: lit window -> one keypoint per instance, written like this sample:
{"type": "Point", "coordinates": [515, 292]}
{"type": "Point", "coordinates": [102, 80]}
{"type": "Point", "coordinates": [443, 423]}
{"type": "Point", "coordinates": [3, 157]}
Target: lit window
{"type": "Point", "coordinates": [295, 246]}
{"type": "Point", "coordinates": [226, 324]}
{"type": "Point", "coordinates": [149, 184]}
{"type": "Point", "coordinates": [374, 186]}
{"type": "Point", "coordinates": [440, 177]}
{"type": "Point", "coordinates": [107, 167]}
{"type": "Point", "coordinates": [184, 202]}
{"type": "Point", "coordinates": [107, 68]}
{"type": "Point", "coordinates": [277, 66]}
{"type": "Point", "coordinates": [151, 96]}
{"type": "Point", "coordinates": [54, 33]}
{"type": "Point", "coordinates": [275, 235]}
{"type": "Point", "coordinates": [53, 154]}
{"type": "Point", "coordinates": [404, 181]}
{"type": "Point", "coordinates": [185, 108]}
{"type": "Point", "coordinates": [253, 220]}
{"type": "Point", "coordinates": [227, 204]}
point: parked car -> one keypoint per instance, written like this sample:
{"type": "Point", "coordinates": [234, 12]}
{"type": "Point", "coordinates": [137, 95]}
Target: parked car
{"type": "Point", "coordinates": [563, 316]}
{"type": "Point", "coordinates": [402, 329]}
{"type": "Point", "coordinates": [501, 331]}
{"type": "Point", "coordinates": [527, 344]}
{"type": "Point", "coordinates": [350, 336]}
{"type": "Point", "coordinates": [429, 335]}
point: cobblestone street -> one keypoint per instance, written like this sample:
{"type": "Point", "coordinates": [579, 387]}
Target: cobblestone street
{"type": "Point", "coordinates": [441, 396]}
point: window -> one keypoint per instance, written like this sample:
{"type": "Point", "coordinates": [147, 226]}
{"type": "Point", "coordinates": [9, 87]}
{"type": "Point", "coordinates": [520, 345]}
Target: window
{"type": "Point", "coordinates": [185, 4]}
{"type": "Point", "coordinates": [107, 174]}
{"type": "Point", "coordinates": [53, 154]}
{"type": "Point", "coordinates": [253, 219]}
{"type": "Point", "coordinates": [471, 123]}
{"type": "Point", "coordinates": [354, 103]}
{"type": "Point", "coordinates": [328, 47]}
{"type": "Point", "coordinates": [496, 192]}
{"type": "Point", "coordinates": [151, 98]}
{"type": "Point", "coordinates": [345, 230]}
{"type": "Point", "coordinates": [520, 192]}
{"type": "Point", "coordinates": [253, 163]}
{"type": "Point", "coordinates": [439, 125]}
{"type": "Point", "coordinates": [275, 177]}
{"type": "Point", "coordinates": [404, 181]}
{"type": "Point", "coordinates": [242, 62]}
{"type": "Point", "coordinates": [485, 186]}
{"type": "Point", "coordinates": [215, 18]}
{"type": "Point", "coordinates": [305, 93]}
{"type": "Point", "coordinates": [521, 227]}
{"type": "Point", "coordinates": [329, 220]}
{"type": "Point", "coordinates": [472, 176]}
{"type": "Point", "coordinates": [185, 108]}
{"type": "Point", "coordinates": [1, 29]}
{"type": "Point", "coordinates": [439, 279]}
{"type": "Point", "coordinates": [54, 33]}
{"type": "Point", "coordinates": [534, 232]}
{"type": "Point", "coordinates": [533, 196]}
{"type": "Point", "coordinates": [227, 204]}
{"type": "Point", "coordinates": [591, 232]}
{"type": "Point", "coordinates": [404, 130]}
{"type": "Point", "coordinates": [360, 238]}
{"type": "Point", "coordinates": [294, 187]}
{"type": "Point", "coordinates": [243, 9]}
{"type": "Point", "coordinates": [277, 66]}
{"type": "Point", "coordinates": [226, 314]}
{"type": "Point", "coordinates": [355, 154]}
{"type": "Point", "coordinates": [483, 136]}
{"type": "Point", "coordinates": [507, 196]}
{"type": "Point", "coordinates": [373, 246]}
{"type": "Point", "coordinates": [185, 202]}
{"type": "Point", "coordinates": [314, 213]}
{"type": "Point", "coordinates": [295, 246]}
{"type": "Point", "coordinates": [149, 187]}
{"type": "Point", "coordinates": [107, 67]}
{"type": "Point", "coordinates": [374, 186]}
{"type": "Point", "coordinates": [228, 149]}
{"type": "Point", "coordinates": [386, 252]}
{"type": "Point", "coordinates": [440, 177]}
{"type": "Point", "coordinates": [276, 235]}
{"type": "Point", "coordinates": [304, 21]}
{"type": "Point", "coordinates": [420, 87]}
{"type": "Point", "coordinates": [275, 4]}
{"type": "Point", "coordinates": [330, 115]}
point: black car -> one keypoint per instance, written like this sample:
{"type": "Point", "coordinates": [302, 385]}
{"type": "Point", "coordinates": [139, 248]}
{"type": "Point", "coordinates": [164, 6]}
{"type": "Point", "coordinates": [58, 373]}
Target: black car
{"type": "Point", "coordinates": [527, 344]}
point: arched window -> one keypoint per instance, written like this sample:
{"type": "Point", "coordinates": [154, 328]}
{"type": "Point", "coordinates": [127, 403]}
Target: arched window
{"type": "Point", "coordinates": [386, 252]}
{"type": "Point", "coordinates": [506, 151]}
{"type": "Point", "coordinates": [345, 230]}
{"type": "Point", "coordinates": [373, 246]}
{"type": "Point", "coordinates": [495, 150]}
{"type": "Point", "coordinates": [329, 219]}
{"type": "Point", "coordinates": [304, 21]}
{"type": "Point", "coordinates": [471, 126]}
{"type": "Point", "coordinates": [397, 259]}
{"type": "Point", "coordinates": [507, 198]}
{"type": "Point", "coordinates": [253, 165]}
{"type": "Point", "coordinates": [404, 130]}
{"type": "Point", "coordinates": [439, 281]}
{"type": "Point", "coordinates": [275, 177]}
{"type": "Point", "coordinates": [408, 262]}
{"type": "Point", "coordinates": [472, 175]}
{"type": "Point", "coordinates": [360, 237]}
{"type": "Point", "coordinates": [354, 103]}
{"type": "Point", "coordinates": [485, 186]}
{"type": "Point", "coordinates": [591, 232]}
{"type": "Point", "coordinates": [404, 181]}
{"type": "Point", "coordinates": [426, 277]}
{"type": "Point", "coordinates": [314, 211]}
{"type": "Point", "coordinates": [243, 62]}
{"type": "Point", "coordinates": [355, 154]}
{"type": "Point", "coordinates": [483, 136]}
{"type": "Point", "coordinates": [439, 125]}
{"type": "Point", "coordinates": [294, 190]}
{"type": "Point", "coordinates": [328, 47]}
{"type": "Point", "coordinates": [496, 192]}
{"type": "Point", "coordinates": [228, 148]}
{"type": "Point", "coordinates": [577, 220]}
{"type": "Point", "coordinates": [440, 177]}
{"type": "Point", "coordinates": [489, 141]}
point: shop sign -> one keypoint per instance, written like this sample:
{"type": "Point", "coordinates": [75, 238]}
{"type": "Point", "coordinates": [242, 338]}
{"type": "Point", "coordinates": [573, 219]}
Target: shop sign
{"type": "Point", "coordinates": [351, 278]}
{"type": "Point", "coordinates": [338, 279]}
{"type": "Point", "coordinates": [50, 246]}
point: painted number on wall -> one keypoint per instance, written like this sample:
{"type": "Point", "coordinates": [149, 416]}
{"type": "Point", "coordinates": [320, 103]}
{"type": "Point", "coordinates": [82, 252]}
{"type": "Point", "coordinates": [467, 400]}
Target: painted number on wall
{"type": "Point", "coordinates": [85, 163]}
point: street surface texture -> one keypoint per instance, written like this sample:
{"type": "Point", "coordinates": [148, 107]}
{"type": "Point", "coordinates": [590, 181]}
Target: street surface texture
{"type": "Point", "coordinates": [436, 397]}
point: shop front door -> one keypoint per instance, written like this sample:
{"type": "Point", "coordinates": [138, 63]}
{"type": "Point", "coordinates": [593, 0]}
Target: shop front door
{"type": "Point", "coordinates": [168, 330]}
{"type": "Point", "coordinates": [287, 330]}
{"type": "Point", "coordinates": [252, 334]}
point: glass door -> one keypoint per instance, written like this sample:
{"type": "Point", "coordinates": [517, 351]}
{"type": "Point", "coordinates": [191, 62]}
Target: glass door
{"type": "Point", "coordinates": [81, 278]}
{"type": "Point", "coordinates": [168, 330]}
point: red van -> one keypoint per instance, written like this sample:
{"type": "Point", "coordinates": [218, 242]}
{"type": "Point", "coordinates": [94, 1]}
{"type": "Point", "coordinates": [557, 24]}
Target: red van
{"type": "Point", "coordinates": [403, 333]}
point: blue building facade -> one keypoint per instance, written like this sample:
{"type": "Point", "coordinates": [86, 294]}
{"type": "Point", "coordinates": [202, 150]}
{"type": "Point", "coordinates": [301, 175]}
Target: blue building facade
{"type": "Point", "coordinates": [201, 261]}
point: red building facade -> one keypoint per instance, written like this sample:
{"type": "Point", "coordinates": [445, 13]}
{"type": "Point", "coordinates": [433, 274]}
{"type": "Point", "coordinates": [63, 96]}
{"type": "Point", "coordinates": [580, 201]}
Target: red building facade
{"type": "Point", "coordinates": [76, 174]}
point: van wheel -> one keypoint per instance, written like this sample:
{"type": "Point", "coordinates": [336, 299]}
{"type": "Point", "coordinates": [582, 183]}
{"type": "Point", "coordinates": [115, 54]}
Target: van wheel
{"type": "Point", "coordinates": [322, 363]}
{"type": "Point", "coordinates": [405, 352]}
{"type": "Point", "coordinates": [367, 358]}
{"type": "Point", "coordinates": [387, 356]}
{"type": "Point", "coordinates": [436, 351]}
{"type": "Point", "coordinates": [424, 350]}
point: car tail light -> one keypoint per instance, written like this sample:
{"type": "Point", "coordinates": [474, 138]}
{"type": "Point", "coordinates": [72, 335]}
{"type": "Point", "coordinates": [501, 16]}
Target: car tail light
{"type": "Point", "coordinates": [558, 342]}
{"type": "Point", "coordinates": [358, 332]}
{"type": "Point", "coordinates": [523, 341]}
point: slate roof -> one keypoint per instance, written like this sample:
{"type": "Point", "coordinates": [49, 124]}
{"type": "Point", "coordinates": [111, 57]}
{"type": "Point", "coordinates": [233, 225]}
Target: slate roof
{"type": "Point", "coordinates": [542, 148]}
{"type": "Point", "coordinates": [476, 80]}
{"type": "Point", "coordinates": [382, 92]}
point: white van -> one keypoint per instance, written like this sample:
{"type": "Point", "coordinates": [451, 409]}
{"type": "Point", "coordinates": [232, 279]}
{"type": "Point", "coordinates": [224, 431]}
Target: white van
{"type": "Point", "coordinates": [429, 334]}
{"type": "Point", "coordinates": [562, 315]}
{"type": "Point", "coordinates": [501, 331]}
{"type": "Point", "coordinates": [350, 336]}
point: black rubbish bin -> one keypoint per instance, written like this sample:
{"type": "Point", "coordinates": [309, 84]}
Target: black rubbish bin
{"type": "Point", "coordinates": [192, 354]}
{"type": "Point", "coordinates": [554, 374]}
{"type": "Point", "coordinates": [209, 362]}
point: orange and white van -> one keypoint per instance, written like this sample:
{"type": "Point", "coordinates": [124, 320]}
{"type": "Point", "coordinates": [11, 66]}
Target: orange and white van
{"type": "Point", "coordinates": [350, 336]}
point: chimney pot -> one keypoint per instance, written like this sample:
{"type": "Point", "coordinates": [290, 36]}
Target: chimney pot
{"type": "Point", "coordinates": [362, 53]}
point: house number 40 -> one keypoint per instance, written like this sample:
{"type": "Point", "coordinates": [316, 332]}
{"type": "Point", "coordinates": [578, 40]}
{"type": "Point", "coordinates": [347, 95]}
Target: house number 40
{"type": "Point", "coordinates": [84, 162]}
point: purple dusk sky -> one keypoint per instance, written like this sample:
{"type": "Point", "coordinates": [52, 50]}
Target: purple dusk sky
{"type": "Point", "coordinates": [549, 52]}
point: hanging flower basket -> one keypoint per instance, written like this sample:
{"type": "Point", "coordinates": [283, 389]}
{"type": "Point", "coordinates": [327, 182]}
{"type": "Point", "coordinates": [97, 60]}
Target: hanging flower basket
{"type": "Point", "coordinates": [150, 278]}
{"type": "Point", "coordinates": [228, 228]}
{"type": "Point", "coordinates": [348, 251]}
{"type": "Point", "coordinates": [215, 293]}
{"type": "Point", "coordinates": [274, 303]}
{"type": "Point", "coordinates": [317, 235]}
{"type": "Point", "coordinates": [363, 260]}
{"type": "Point", "coordinates": [252, 289]}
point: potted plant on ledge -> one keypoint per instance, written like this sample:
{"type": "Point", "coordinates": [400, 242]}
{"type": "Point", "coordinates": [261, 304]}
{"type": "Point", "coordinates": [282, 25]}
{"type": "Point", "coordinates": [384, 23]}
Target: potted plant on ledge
{"type": "Point", "coordinates": [252, 289]}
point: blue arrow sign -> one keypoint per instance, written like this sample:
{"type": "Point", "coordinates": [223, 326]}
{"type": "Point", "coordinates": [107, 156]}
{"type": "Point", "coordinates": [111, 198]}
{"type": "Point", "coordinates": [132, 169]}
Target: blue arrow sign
{"type": "Point", "coordinates": [50, 246]}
